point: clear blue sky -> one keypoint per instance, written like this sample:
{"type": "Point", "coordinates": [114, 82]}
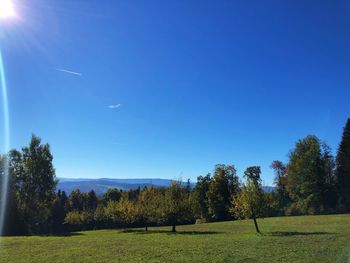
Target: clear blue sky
{"type": "Point", "coordinates": [193, 83]}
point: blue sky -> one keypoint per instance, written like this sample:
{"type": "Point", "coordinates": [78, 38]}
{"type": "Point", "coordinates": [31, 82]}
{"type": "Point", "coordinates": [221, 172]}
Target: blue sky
{"type": "Point", "coordinates": [193, 83]}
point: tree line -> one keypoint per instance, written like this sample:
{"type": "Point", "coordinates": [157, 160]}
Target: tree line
{"type": "Point", "coordinates": [313, 181]}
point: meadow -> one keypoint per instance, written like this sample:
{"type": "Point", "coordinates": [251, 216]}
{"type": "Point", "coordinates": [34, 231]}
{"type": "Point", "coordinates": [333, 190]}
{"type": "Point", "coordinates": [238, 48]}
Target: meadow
{"type": "Point", "coordinates": [284, 239]}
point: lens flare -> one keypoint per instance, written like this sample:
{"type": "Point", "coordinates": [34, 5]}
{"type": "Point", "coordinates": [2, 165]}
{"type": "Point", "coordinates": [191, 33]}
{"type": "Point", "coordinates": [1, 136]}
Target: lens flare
{"type": "Point", "coordinates": [6, 9]}
{"type": "Point", "coordinates": [5, 179]}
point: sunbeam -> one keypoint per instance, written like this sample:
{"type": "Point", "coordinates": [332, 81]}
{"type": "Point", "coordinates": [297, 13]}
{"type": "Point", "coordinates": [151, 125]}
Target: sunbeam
{"type": "Point", "coordinates": [4, 185]}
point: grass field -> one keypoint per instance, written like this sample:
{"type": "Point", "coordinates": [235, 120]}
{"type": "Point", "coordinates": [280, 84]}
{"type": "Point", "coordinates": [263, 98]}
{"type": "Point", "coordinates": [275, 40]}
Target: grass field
{"type": "Point", "coordinates": [284, 239]}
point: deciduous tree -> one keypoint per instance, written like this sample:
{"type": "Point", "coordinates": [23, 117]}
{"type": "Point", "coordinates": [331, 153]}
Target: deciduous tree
{"type": "Point", "coordinates": [36, 185]}
{"type": "Point", "coordinates": [223, 186]}
{"type": "Point", "coordinates": [249, 203]}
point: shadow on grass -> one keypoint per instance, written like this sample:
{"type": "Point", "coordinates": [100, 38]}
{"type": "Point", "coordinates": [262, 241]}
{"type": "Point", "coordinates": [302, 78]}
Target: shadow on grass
{"type": "Point", "coordinates": [138, 231]}
{"type": "Point", "coordinates": [194, 233]}
{"type": "Point", "coordinates": [67, 234]}
{"type": "Point", "coordinates": [286, 234]}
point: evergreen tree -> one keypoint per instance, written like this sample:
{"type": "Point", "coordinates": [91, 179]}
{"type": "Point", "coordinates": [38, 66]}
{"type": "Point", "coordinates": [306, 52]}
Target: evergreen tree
{"type": "Point", "coordinates": [188, 186]}
{"type": "Point", "coordinates": [329, 192]}
{"type": "Point", "coordinates": [91, 201]}
{"type": "Point", "coordinates": [58, 212]}
{"type": "Point", "coordinates": [343, 170]}
{"type": "Point", "coordinates": [75, 201]}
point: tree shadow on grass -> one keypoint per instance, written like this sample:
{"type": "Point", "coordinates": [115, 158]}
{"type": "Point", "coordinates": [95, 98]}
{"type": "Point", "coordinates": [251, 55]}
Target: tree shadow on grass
{"type": "Point", "coordinates": [138, 231]}
{"type": "Point", "coordinates": [286, 234]}
{"type": "Point", "coordinates": [67, 234]}
{"type": "Point", "coordinates": [194, 233]}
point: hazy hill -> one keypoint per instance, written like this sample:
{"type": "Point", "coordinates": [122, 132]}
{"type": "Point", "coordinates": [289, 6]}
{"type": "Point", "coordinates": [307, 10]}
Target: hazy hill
{"type": "Point", "coordinates": [100, 186]}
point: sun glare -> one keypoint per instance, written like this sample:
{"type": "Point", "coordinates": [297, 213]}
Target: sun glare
{"type": "Point", "coordinates": [6, 9]}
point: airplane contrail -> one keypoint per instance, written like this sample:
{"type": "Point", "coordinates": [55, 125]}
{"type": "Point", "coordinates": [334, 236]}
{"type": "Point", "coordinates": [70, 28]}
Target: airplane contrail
{"type": "Point", "coordinates": [69, 72]}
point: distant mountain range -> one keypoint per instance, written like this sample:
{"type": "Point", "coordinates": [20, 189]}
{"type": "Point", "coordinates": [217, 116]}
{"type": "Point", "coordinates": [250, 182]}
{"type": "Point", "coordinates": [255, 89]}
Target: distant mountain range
{"type": "Point", "coordinates": [100, 186]}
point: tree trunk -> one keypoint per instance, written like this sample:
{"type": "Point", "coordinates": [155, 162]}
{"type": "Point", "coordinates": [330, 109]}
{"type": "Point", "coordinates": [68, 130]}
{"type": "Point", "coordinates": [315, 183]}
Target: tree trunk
{"type": "Point", "coordinates": [256, 225]}
{"type": "Point", "coordinates": [146, 228]}
{"type": "Point", "coordinates": [173, 228]}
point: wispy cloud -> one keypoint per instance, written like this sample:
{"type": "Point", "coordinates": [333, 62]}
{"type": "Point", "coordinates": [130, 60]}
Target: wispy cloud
{"type": "Point", "coordinates": [69, 72]}
{"type": "Point", "coordinates": [114, 106]}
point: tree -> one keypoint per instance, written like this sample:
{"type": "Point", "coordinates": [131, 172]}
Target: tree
{"type": "Point", "coordinates": [188, 185]}
{"type": "Point", "coordinates": [306, 176]}
{"type": "Point", "coordinates": [148, 206]}
{"type": "Point", "coordinates": [223, 186]}
{"type": "Point", "coordinates": [76, 201]}
{"type": "Point", "coordinates": [329, 193]}
{"type": "Point", "coordinates": [91, 201]}
{"type": "Point", "coordinates": [112, 194]}
{"type": "Point", "coordinates": [36, 185]}
{"type": "Point", "coordinates": [281, 194]}
{"type": "Point", "coordinates": [78, 220]}
{"type": "Point", "coordinates": [100, 218]}
{"type": "Point", "coordinates": [58, 212]}
{"type": "Point", "coordinates": [13, 224]}
{"type": "Point", "coordinates": [343, 170]}
{"type": "Point", "coordinates": [175, 205]}
{"type": "Point", "coordinates": [249, 203]}
{"type": "Point", "coordinates": [200, 194]}
{"type": "Point", "coordinates": [121, 213]}
{"type": "Point", "coordinates": [132, 194]}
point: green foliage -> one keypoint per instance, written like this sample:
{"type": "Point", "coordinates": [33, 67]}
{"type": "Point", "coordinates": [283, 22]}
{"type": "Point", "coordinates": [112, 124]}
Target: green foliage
{"type": "Point", "coordinates": [79, 220]}
{"type": "Point", "coordinates": [307, 176]}
{"type": "Point", "coordinates": [78, 201]}
{"type": "Point", "coordinates": [343, 170]}
{"type": "Point", "coordinates": [149, 206]}
{"type": "Point", "coordinates": [199, 195]}
{"type": "Point", "coordinates": [250, 202]}
{"type": "Point", "coordinates": [112, 195]}
{"type": "Point", "coordinates": [223, 186]}
{"type": "Point", "coordinates": [91, 201]}
{"type": "Point", "coordinates": [176, 205]}
{"type": "Point", "coordinates": [58, 212]}
{"type": "Point", "coordinates": [329, 192]}
{"type": "Point", "coordinates": [75, 201]}
{"type": "Point", "coordinates": [35, 184]}
{"type": "Point", "coordinates": [280, 194]}
{"type": "Point", "coordinates": [100, 217]}
{"type": "Point", "coordinates": [13, 221]}
{"type": "Point", "coordinates": [120, 213]}
{"type": "Point", "coordinates": [308, 184]}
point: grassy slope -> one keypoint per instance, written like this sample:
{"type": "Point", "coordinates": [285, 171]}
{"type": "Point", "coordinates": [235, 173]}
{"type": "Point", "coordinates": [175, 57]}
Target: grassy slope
{"type": "Point", "coordinates": [285, 239]}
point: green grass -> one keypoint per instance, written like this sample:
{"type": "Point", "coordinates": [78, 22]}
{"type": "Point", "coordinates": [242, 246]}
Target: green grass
{"type": "Point", "coordinates": [284, 239]}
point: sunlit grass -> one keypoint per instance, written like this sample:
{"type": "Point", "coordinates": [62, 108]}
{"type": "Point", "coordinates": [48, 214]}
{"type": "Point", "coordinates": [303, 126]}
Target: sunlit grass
{"type": "Point", "coordinates": [284, 239]}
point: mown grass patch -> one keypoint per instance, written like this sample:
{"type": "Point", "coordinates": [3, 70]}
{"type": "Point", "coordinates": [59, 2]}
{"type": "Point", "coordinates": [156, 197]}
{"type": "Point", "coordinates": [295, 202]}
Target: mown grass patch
{"type": "Point", "coordinates": [284, 239]}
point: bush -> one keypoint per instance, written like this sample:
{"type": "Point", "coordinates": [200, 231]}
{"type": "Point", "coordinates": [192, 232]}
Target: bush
{"type": "Point", "coordinates": [79, 220]}
{"type": "Point", "coordinates": [201, 221]}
